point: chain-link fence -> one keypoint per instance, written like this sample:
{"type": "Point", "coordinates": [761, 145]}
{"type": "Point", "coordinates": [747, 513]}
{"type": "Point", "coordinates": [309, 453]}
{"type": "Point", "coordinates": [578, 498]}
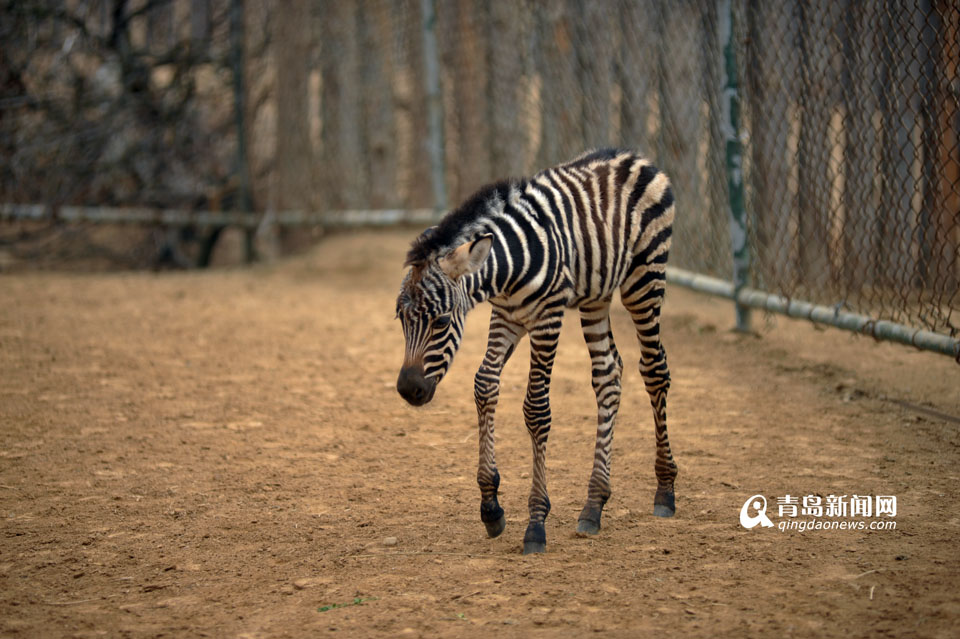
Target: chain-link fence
{"type": "Point", "coordinates": [854, 158]}
{"type": "Point", "coordinates": [849, 110]}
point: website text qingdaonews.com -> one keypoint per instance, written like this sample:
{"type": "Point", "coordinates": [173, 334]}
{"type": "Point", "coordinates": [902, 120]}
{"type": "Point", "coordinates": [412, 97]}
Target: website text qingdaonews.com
{"type": "Point", "coordinates": [801, 525]}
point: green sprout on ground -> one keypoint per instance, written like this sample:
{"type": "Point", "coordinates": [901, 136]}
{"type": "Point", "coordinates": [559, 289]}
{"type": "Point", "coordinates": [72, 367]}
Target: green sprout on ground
{"type": "Point", "coordinates": [356, 602]}
{"type": "Point", "coordinates": [459, 617]}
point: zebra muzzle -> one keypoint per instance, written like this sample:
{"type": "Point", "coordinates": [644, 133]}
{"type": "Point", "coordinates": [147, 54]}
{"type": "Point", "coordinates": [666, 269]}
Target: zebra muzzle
{"type": "Point", "coordinates": [414, 387]}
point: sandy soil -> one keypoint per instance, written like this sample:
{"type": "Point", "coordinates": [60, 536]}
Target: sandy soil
{"type": "Point", "coordinates": [224, 454]}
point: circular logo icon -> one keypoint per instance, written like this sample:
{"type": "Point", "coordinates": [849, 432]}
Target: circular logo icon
{"type": "Point", "coordinates": [759, 504]}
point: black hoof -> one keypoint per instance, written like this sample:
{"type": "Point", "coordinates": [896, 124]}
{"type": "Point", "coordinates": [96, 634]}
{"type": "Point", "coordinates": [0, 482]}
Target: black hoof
{"type": "Point", "coordinates": [662, 511]}
{"type": "Point", "coordinates": [491, 514]}
{"type": "Point", "coordinates": [589, 521]}
{"type": "Point", "coordinates": [535, 539]}
{"type": "Point", "coordinates": [664, 504]}
{"type": "Point", "coordinates": [587, 527]}
{"type": "Point", "coordinates": [494, 528]}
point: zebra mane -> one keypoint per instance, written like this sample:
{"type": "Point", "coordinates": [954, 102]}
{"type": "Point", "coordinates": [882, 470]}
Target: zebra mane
{"type": "Point", "coordinates": [449, 233]}
{"type": "Point", "coordinates": [596, 155]}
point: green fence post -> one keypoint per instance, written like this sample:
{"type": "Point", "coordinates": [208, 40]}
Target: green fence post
{"type": "Point", "coordinates": [730, 103]}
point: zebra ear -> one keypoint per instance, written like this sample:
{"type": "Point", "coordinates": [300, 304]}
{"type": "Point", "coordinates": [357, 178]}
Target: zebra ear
{"type": "Point", "coordinates": [466, 258]}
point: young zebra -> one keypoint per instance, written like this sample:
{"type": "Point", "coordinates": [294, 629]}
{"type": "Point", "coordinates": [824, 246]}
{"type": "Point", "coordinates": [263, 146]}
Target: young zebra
{"type": "Point", "coordinates": [568, 237]}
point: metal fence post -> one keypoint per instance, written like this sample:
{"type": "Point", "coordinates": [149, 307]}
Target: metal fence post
{"type": "Point", "coordinates": [434, 103]}
{"type": "Point", "coordinates": [730, 103]}
{"type": "Point", "coordinates": [237, 62]}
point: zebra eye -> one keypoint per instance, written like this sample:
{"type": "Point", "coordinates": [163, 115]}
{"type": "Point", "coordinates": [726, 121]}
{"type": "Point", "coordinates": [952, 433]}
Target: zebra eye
{"type": "Point", "coordinates": [441, 322]}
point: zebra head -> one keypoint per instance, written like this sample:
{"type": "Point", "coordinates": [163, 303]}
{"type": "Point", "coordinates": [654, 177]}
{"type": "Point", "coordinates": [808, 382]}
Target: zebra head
{"type": "Point", "coordinates": [432, 306]}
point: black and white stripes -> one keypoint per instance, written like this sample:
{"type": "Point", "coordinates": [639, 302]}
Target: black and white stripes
{"type": "Point", "coordinates": [568, 237]}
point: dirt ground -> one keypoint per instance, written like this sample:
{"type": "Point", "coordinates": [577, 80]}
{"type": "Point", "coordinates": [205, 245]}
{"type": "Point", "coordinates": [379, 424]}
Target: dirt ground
{"type": "Point", "coordinates": [224, 454]}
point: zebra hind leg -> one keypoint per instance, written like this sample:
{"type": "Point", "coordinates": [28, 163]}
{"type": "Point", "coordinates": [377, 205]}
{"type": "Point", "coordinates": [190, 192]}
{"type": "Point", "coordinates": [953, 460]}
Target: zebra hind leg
{"type": "Point", "coordinates": [656, 377]}
{"type": "Point", "coordinates": [642, 296]}
{"type": "Point", "coordinates": [606, 369]}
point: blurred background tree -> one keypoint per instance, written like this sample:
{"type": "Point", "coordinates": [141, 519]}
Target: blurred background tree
{"type": "Point", "coordinates": [849, 116]}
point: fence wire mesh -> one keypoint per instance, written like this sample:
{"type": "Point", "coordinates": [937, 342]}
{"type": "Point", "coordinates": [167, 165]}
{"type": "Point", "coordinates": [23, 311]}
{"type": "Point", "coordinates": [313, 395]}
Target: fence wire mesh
{"type": "Point", "coordinates": [850, 116]}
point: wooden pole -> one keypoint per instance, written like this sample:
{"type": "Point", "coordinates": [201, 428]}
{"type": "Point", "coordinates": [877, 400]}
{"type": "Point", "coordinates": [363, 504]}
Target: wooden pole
{"type": "Point", "coordinates": [431, 63]}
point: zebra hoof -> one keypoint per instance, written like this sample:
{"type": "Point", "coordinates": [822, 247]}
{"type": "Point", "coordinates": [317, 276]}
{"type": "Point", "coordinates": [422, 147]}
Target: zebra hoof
{"type": "Point", "coordinates": [534, 547]}
{"type": "Point", "coordinates": [664, 504]}
{"type": "Point", "coordinates": [589, 521]}
{"type": "Point", "coordinates": [587, 527]}
{"type": "Point", "coordinates": [491, 514]}
{"type": "Point", "coordinates": [662, 511]}
{"type": "Point", "coordinates": [535, 539]}
{"type": "Point", "coordinates": [494, 528]}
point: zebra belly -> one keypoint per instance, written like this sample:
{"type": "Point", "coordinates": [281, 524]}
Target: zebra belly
{"type": "Point", "coordinates": [599, 284]}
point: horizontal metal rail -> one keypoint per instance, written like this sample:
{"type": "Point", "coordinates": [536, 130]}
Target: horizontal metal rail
{"type": "Point", "coordinates": [186, 217]}
{"type": "Point", "coordinates": [878, 329]}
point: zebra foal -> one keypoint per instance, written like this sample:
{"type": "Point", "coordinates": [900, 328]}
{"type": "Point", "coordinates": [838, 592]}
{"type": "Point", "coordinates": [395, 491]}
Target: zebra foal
{"type": "Point", "coordinates": [568, 237]}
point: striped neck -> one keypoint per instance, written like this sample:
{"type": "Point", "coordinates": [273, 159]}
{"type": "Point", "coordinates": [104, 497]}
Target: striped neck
{"type": "Point", "coordinates": [480, 286]}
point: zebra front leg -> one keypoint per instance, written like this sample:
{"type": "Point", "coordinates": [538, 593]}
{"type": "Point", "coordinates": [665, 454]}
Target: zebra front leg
{"type": "Point", "coordinates": [501, 341]}
{"type": "Point", "coordinates": [606, 368]}
{"type": "Point", "coordinates": [536, 414]}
